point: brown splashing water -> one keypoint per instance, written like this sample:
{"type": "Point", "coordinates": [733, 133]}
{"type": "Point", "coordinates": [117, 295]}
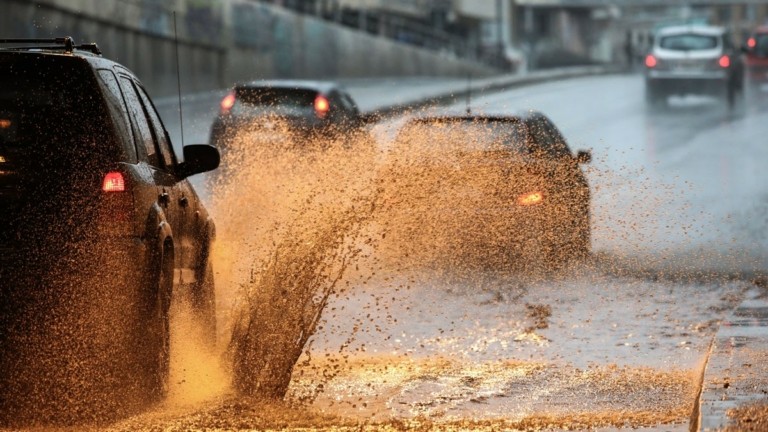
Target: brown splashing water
{"type": "Point", "coordinates": [298, 222]}
{"type": "Point", "coordinates": [292, 220]}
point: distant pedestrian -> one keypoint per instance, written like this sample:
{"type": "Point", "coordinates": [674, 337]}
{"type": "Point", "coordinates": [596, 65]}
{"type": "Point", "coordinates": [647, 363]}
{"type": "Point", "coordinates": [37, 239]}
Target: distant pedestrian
{"type": "Point", "coordinates": [629, 51]}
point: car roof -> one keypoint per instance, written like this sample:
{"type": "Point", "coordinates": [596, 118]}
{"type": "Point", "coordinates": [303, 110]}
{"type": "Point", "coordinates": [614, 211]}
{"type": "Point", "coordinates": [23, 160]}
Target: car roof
{"type": "Point", "coordinates": [693, 28]}
{"type": "Point", "coordinates": [318, 86]}
{"type": "Point", "coordinates": [93, 59]}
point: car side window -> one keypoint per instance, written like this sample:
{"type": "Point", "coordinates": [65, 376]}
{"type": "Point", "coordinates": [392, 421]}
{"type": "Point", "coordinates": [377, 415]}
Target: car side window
{"type": "Point", "coordinates": [146, 142]}
{"type": "Point", "coordinates": [349, 103]}
{"type": "Point", "coordinates": [338, 108]}
{"type": "Point", "coordinates": [161, 138]}
{"type": "Point", "coordinates": [116, 104]}
{"type": "Point", "coordinates": [548, 139]}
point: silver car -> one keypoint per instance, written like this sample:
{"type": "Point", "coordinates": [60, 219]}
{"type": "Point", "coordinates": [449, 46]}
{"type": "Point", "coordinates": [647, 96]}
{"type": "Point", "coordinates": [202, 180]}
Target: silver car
{"type": "Point", "coordinates": [692, 59]}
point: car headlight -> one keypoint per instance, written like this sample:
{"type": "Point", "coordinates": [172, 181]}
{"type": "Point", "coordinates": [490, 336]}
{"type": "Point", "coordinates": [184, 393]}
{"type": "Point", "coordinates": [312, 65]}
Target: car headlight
{"type": "Point", "coordinates": [530, 198]}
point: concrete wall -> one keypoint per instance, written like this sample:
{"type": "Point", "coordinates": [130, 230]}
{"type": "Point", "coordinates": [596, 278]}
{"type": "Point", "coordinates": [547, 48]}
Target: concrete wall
{"type": "Point", "coordinates": [294, 46]}
{"type": "Point", "coordinates": [248, 41]}
{"type": "Point", "coordinates": [151, 56]}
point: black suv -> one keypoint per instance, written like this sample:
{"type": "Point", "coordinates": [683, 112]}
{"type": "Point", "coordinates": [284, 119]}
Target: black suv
{"type": "Point", "coordinates": [298, 111]}
{"type": "Point", "coordinates": [99, 228]}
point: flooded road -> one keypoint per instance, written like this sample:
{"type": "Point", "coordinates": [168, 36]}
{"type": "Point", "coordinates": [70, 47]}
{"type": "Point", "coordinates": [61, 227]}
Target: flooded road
{"type": "Point", "coordinates": [588, 346]}
{"type": "Point", "coordinates": [618, 341]}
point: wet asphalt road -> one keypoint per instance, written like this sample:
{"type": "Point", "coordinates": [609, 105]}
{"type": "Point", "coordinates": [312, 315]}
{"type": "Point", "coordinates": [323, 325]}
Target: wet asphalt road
{"type": "Point", "coordinates": [682, 191]}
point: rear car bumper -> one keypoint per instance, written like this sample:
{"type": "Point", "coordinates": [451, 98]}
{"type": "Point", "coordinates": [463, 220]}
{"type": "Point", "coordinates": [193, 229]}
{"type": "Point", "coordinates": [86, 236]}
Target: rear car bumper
{"type": "Point", "coordinates": [715, 83]}
{"type": "Point", "coordinates": [516, 230]}
{"type": "Point", "coordinates": [266, 132]}
{"type": "Point", "coordinates": [70, 324]}
{"type": "Point", "coordinates": [117, 262]}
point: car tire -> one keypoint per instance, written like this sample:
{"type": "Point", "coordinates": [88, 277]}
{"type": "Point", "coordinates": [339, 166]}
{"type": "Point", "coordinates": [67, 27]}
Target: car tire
{"type": "Point", "coordinates": [203, 301]}
{"type": "Point", "coordinates": [572, 245]}
{"type": "Point", "coordinates": [653, 97]}
{"type": "Point", "coordinates": [730, 96]}
{"type": "Point", "coordinates": [156, 353]}
{"type": "Point", "coordinates": [581, 244]}
{"type": "Point", "coordinates": [753, 95]}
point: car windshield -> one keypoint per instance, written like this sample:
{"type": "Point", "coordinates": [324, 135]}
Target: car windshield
{"type": "Point", "coordinates": [467, 135]}
{"type": "Point", "coordinates": [688, 42]}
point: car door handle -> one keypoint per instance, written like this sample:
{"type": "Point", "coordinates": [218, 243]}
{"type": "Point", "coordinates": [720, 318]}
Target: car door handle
{"type": "Point", "coordinates": [164, 198]}
{"type": "Point", "coordinates": [183, 201]}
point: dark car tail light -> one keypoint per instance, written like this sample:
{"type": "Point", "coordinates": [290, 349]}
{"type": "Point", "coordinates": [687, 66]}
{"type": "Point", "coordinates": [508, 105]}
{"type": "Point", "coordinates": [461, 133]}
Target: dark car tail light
{"type": "Point", "coordinates": [228, 102]}
{"type": "Point", "coordinates": [724, 62]}
{"type": "Point", "coordinates": [751, 43]}
{"type": "Point", "coordinates": [651, 61]}
{"type": "Point", "coordinates": [113, 182]}
{"type": "Point", "coordinates": [322, 106]}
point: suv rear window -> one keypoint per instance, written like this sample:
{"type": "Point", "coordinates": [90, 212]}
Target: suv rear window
{"type": "Point", "coordinates": [688, 42]}
{"type": "Point", "coordinates": [51, 106]}
{"type": "Point", "coordinates": [276, 99]}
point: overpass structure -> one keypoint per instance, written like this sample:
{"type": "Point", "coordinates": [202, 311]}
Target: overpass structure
{"type": "Point", "coordinates": [618, 31]}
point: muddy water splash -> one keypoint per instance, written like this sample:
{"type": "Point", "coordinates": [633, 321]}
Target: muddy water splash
{"type": "Point", "coordinates": [296, 214]}
{"type": "Point", "coordinates": [298, 224]}
{"type": "Point", "coordinates": [292, 221]}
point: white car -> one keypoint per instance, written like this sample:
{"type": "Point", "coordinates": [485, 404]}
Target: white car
{"type": "Point", "coordinates": [692, 59]}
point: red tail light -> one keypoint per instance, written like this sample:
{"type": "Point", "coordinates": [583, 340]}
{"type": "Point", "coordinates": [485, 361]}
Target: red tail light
{"type": "Point", "coordinates": [113, 182]}
{"type": "Point", "coordinates": [724, 62]}
{"type": "Point", "coordinates": [322, 106]}
{"type": "Point", "coordinates": [650, 61]}
{"type": "Point", "coordinates": [228, 102]}
{"type": "Point", "coordinates": [115, 206]}
{"type": "Point", "coordinates": [751, 42]}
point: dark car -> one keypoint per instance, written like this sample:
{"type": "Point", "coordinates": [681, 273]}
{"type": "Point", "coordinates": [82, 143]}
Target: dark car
{"type": "Point", "coordinates": [512, 178]}
{"type": "Point", "coordinates": [99, 230]}
{"type": "Point", "coordinates": [692, 59]}
{"type": "Point", "coordinates": [267, 112]}
{"type": "Point", "coordinates": [756, 60]}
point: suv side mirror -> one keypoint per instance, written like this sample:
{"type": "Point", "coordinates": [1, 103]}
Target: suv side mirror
{"type": "Point", "coordinates": [584, 156]}
{"type": "Point", "coordinates": [199, 158]}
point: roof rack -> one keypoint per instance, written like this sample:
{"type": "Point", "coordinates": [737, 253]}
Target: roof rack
{"type": "Point", "coordinates": [66, 43]}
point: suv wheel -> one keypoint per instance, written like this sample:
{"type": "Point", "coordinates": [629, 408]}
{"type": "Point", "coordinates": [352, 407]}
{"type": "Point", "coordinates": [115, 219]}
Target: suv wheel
{"type": "Point", "coordinates": [730, 95]}
{"type": "Point", "coordinates": [204, 306]}
{"type": "Point", "coordinates": [157, 352]}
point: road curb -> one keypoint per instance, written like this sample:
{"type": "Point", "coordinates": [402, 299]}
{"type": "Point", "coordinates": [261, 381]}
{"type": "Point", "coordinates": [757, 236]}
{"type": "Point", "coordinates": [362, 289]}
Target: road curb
{"type": "Point", "coordinates": [736, 374]}
{"type": "Point", "coordinates": [487, 85]}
